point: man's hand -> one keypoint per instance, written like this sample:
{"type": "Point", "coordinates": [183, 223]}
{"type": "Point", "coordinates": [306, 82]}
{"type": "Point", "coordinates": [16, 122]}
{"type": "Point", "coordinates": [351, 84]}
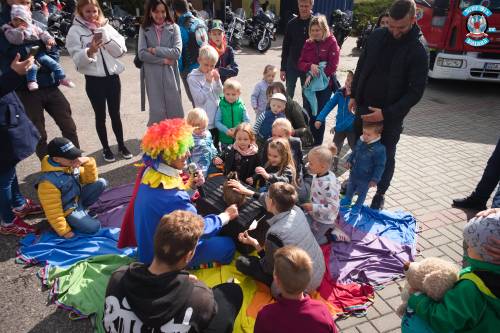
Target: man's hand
{"type": "Point", "coordinates": [493, 249]}
{"type": "Point", "coordinates": [347, 165]}
{"type": "Point", "coordinates": [314, 70]}
{"type": "Point", "coordinates": [372, 184]}
{"type": "Point", "coordinates": [232, 212]}
{"type": "Point", "coordinates": [283, 75]}
{"type": "Point", "coordinates": [246, 239]}
{"type": "Point", "coordinates": [69, 235]}
{"type": "Point", "coordinates": [21, 67]}
{"type": "Point", "coordinates": [317, 124]}
{"type": "Point", "coordinates": [376, 115]}
{"type": "Point", "coordinates": [218, 161]}
{"type": "Point", "coordinates": [308, 207]}
{"type": "Point", "coordinates": [261, 171]}
{"type": "Point", "coordinates": [352, 105]}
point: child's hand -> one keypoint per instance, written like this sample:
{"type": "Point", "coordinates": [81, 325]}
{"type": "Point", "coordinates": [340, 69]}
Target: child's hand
{"type": "Point", "coordinates": [69, 235]}
{"type": "Point", "coordinates": [77, 162]}
{"type": "Point", "coordinates": [152, 50]}
{"type": "Point", "coordinates": [317, 124]}
{"type": "Point", "coordinates": [261, 171]}
{"type": "Point", "coordinates": [198, 179]}
{"type": "Point", "coordinates": [347, 165]}
{"type": "Point", "coordinates": [308, 207]}
{"type": "Point", "coordinates": [372, 184]}
{"type": "Point", "coordinates": [230, 132]}
{"type": "Point", "coordinates": [218, 161]}
{"type": "Point", "coordinates": [246, 239]}
{"type": "Point", "coordinates": [209, 77]}
{"type": "Point", "coordinates": [249, 181]}
{"type": "Point", "coordinates": [232, 212]}
{"type": "Point", "coordinates": [215, 75]}
{"type": "Point", "coordinates": [50, 43]}
{"type": "Point", "coordinates": [168, 61]}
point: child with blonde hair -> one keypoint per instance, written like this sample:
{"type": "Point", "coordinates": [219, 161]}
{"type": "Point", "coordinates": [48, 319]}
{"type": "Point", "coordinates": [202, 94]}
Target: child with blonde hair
{"type": "Point", "coordinates": [242, 156]}
{"type": "Point", "coordinates": [203, 153]}
{"type": "Point", "coordinates": [230, 113]}
{"type": "Point", "coordinates": [206, 87]}
{"type": "Point", "coordinates": [259, 96]}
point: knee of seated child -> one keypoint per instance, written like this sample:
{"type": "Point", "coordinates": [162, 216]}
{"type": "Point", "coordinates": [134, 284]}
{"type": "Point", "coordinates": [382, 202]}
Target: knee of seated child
{"type": "Point", "coordinates": [103, 182]}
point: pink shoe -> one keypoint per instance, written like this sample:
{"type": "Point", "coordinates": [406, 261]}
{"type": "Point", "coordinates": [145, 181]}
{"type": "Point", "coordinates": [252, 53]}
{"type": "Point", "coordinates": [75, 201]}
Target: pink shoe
{"type": "Point", "coordinates": [15, 229]}
{"type": "Point", "coordinates": [67, 83]}
{"type": "Point", "coordinates": [29, 208]}
{"type": "Point", "coordinates": [27, 228]}
{"type": "Point", "coordinates": [32, 86]}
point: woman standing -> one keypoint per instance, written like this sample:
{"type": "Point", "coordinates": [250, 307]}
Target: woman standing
{"type": "Point", "coordinates": [159, 48]}
{"type": "Point", "coordinates": [95, 47]}
{"type": "Point", "coordinates": [321, 47]}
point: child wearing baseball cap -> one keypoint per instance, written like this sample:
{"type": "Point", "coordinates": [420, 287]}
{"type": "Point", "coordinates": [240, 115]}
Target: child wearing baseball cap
{"type": "Point", "coordinates": [68, 186]}
{"type": "Point", "coordinates": [226, 64]}
{"type": "Point", "coordinates": [264, 123]}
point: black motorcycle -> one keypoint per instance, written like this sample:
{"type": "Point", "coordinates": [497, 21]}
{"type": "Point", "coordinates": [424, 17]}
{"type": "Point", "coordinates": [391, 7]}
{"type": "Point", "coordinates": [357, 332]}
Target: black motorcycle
{"type": "Point", "coordinates": [363, 36]}
{"type": "Point", "coordinates": [127, 26]}
{"type": "Point", "coordinates": [234, 25]}
{"type": "Point", "coordinates": [341, 26]}
{"type": "Point", "coordinates": [261, 30]}
{"type": "Point", "coordinates": [58, 25]}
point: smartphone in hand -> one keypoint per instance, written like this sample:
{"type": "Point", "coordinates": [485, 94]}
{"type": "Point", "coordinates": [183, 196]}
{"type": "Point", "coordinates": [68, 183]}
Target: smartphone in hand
{"type": "Point", "coordinates": [98, 36]}
{"type": "Point", "coordinates": [33, 51]}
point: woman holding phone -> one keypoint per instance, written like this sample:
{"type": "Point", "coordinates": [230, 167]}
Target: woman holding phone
{"type": "Point", "coordinates": [95, 47]}
{"type": "Point", "coordinates": [159, 48]}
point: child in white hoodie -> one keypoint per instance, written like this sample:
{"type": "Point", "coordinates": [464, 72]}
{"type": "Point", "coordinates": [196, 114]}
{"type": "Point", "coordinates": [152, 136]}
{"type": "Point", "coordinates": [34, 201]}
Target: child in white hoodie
{"type": "Point", "coordinates": [206, 87]}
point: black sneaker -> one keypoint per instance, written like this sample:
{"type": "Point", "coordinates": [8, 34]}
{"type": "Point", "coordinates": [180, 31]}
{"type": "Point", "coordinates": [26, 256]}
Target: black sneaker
{"type": "Point", "coordinates": [126, 154]}
{"type": "Point", "coordinates": [470, 202]}
{"type": "Point", "coordinates": [108, 155]}
{"type": "Point", "coordinates": [377, 202]}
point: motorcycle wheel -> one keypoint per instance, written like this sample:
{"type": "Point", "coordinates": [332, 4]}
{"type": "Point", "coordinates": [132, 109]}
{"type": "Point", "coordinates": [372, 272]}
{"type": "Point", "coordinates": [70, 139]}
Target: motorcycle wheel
{"type": "Point", "coordinates": [264, 44]}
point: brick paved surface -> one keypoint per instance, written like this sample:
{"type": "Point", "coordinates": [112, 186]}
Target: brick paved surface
{"type": "Point", "coordinates": [447, 140]}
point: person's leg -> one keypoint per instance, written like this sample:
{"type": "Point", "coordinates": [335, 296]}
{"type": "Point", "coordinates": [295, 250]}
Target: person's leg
{"type": "Point", "coordinates": [251, 266]}
{"type": "Point", "coordinates": [96, 91]}
{"type": "Point", "coordinates": [113, 98]}
{"type": "Point", "coordinates": [52, 65]}
{"type": "Point", "coordinates": [347, 199]}
{"type": "Point", "coordinates": [90, 193]}
{"type": "Point", "coordinates": [215, 137]}
{"type": "Point", "coordinates": [390, 139]}
{"type": "Point", "coordinates": [81, 221]}
{"type": "Point", "coordinates": [214, 249]}
{"type": "Point", "coordinates": [229, 298]}
{"type": "Point", "coordinates": [184, 76]}
{"type": "Point", "coordinates": [57, 106]}
{"type": "Point", "coordinates": [496, 198]}
{"type": "Point", "coordinates": [33, 104]}
{"type": "Point", "coordinates": [362, 190]}
{"type": "Point", "coordinates": [291, 81]}
{"type": "Point", "coordinates": [322, 97]}
{"type": "Point", "coordinates": [338, 140]}
{"type": "Point", "coordinates": [351, 139]}
{"type": "Point", "coordinates": [31, 73]}
{"type": "Point", "coordinates": [10, 197]}
{"type": "Point", "coordinates": [320, 231]}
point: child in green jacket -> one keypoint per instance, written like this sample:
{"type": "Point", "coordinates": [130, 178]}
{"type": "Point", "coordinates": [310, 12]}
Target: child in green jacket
{"type": "Point", "coordinates": [473, 304]}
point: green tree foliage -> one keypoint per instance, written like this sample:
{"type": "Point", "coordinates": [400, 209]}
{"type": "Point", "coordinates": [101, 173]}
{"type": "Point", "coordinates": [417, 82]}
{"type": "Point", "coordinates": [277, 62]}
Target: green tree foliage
{"type": "Point", "coordinates": [367, 10]}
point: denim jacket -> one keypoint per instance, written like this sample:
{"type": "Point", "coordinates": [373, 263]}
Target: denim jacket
{"type": "Point", "coordinates": [367, 161]}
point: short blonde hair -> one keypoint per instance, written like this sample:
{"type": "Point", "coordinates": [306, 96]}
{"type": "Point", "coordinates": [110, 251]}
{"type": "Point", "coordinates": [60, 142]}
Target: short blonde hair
{"type": "Point", "coordinates": [323, 154]}
{"type": "Point", "coordinates": [284, 124]}
{"type": "Point", "coordinates": [293, 267]}
{"type": "Point", "coordinates": [197, 117]}
{"type": "Point", "coordinates": [232, 84]}
{"type": "Point", "coordinates": [320, 20]}
{"type": "Point", "coordinates": [207, 52]}
{"type": "Point", "coordinates": [270, 68]}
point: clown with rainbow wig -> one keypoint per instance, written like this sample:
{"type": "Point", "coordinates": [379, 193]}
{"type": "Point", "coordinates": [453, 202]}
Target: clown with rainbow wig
{"type": "Point", "coordinates": [160, 190]}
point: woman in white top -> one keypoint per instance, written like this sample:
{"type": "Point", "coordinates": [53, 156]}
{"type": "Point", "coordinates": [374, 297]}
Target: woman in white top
{"type": "Point", "coordinates": [159, 49]}
{"type": "Point", "coordinates": [95, 47]}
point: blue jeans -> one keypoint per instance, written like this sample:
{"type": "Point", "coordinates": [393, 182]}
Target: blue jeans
{"type": "Point", "coordinates": [355, 186]}
{"type": "Point", "coordinates": [10, 196]}
{"type": "Point", "coordinates": [323, 97]}
{"type": "Point", "coordinates": [496, 198]}
{"type": "Point", "coordinates": [48, 62]}
{"type": "Point", "coordinates": [79, 219]}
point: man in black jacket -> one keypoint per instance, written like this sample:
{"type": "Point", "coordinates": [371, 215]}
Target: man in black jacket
{"type": "Point", "coordinates": [390, 78]}
{"type": "Point", "coordinates": [296, 34]}
{"type": "Point", "coordinates": [163, 297]}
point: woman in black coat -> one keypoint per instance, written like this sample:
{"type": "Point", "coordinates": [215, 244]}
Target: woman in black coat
{"type": "Point", "coordinates": [18, 137]}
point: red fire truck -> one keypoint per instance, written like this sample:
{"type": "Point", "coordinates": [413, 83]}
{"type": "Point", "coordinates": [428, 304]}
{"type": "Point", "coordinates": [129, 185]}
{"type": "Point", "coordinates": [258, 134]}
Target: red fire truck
{"type": "Point", "coordinates": [463, 38]}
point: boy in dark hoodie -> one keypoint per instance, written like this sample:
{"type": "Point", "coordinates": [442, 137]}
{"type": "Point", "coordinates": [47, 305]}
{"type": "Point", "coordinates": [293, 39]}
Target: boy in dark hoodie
{"type": "Point", "coordinates": [164, 297]}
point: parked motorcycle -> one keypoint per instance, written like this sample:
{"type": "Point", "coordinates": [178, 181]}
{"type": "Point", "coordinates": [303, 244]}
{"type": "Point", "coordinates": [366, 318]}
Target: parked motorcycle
{"type": "Point", "coordinates": [58, 25]}
{"type": "Point", "coordinates": [235, 26]}
{"type": "Point", "coordinates": [261, 30]}
{"type": "Point", "coordinates": [341, 25]}
{"type": "Point", "coordinates": [363, 36]}
{"type": "Point", "coordinates": [127, 26]}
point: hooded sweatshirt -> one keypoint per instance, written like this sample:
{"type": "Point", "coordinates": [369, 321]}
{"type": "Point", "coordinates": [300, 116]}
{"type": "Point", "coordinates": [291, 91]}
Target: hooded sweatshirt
{"type": "Point", "coordinates": [206, 95]}
{"type": "Point", "coordinates": [140, 301]}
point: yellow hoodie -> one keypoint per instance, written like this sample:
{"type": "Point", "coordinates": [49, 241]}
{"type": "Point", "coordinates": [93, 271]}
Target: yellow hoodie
{"type": "Point", "coordinates": [50, 196]}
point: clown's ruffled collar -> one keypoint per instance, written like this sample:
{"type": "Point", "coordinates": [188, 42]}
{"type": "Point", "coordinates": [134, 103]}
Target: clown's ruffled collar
{"type": "Point", "coordinates": [164, 175]}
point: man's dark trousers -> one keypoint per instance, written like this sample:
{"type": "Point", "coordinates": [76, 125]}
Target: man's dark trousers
{"type": "Point", "coordinates": [292, 74]}
{"type": "Point", "coordinates": [57, 106]}
{"type": "Point", "coordinates": [491, 176]}
{"type": "Point", "coordinates": [390, 138]}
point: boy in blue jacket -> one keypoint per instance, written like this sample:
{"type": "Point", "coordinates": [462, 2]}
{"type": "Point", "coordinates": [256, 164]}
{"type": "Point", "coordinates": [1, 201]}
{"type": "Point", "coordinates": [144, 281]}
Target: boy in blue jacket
{"type": "Point", "coordinates": [367, 163]}
{"type": "Point", "coordinates": [344, 120]}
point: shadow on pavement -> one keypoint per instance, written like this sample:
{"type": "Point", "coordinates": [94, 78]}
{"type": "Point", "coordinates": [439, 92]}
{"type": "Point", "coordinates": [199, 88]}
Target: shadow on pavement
{"type": "Point", "coordinates": [58, 321]}
{"type": "Point", "coordinates": [134, 145]}
{"type": "Point", "coordinates": [8, 248]}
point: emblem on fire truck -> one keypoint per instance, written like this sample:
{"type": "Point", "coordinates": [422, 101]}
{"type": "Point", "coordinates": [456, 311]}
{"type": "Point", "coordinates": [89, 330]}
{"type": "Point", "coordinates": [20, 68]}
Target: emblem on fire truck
{"type": "Point", "coordinates": [477, 25]}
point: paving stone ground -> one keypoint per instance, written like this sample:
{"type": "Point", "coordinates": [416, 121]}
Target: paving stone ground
{"type": "Point", "coordinates": [447, 140]}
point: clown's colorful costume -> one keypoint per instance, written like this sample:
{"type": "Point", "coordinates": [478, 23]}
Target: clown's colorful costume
{"type": "Point", "coordinates": [160, 190]}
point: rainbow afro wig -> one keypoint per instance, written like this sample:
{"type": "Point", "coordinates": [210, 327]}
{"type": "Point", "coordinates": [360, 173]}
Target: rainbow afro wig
{"type": "Point", "coordinates": [167, 141]}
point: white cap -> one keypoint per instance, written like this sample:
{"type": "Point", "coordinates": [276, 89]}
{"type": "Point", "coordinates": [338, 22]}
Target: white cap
{"type": "Point", "coordinates": [279, 96]}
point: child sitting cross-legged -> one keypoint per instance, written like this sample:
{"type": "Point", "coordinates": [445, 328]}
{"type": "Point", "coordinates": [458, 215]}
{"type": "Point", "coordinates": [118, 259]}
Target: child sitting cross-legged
{"type": "Point", "coordinates": [242, 156]}
{"type": "Point", "coordinates": [67, 187]}
{"type": "Point", "coordinates": [288, 226]}
{"type": "Point", "coordinates": [473, 304]}
{"type": "Point", "coordinates": [278, 168]}
{"type": "Point", "coordinates": [264, 122]}
{"type": "Point", "coordinates": [323, 208]}
{"type": "Point", "coordinates": [203, 153]}
{"type": "Point", "coordinates": [231, 113]}
{"type": "Point", "coordinates": [282, 128]}
{"type": "Point", "coordinates": [294, 310]}
{"type": "Point", "coordinates": [367, 163]}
